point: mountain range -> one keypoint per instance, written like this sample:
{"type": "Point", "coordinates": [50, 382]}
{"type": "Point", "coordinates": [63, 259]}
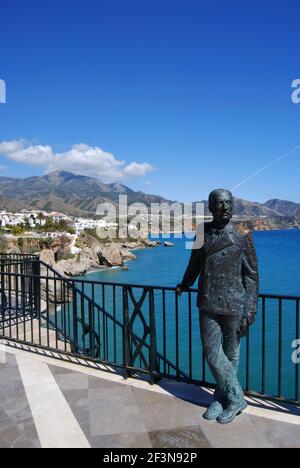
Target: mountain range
{"type": "Point", "coordinates": [80, 195]}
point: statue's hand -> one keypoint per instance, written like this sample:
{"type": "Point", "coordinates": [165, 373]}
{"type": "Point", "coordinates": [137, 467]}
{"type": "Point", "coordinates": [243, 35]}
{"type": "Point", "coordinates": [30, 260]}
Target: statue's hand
{"type": "Point", "coordinates": [246, 322]}
{"type": "Point", "coordinates": [180, 288]}
{"type": "Point", "coordinates": [243, 327]}
{"type": "Point", "coordinates": [251, 320]}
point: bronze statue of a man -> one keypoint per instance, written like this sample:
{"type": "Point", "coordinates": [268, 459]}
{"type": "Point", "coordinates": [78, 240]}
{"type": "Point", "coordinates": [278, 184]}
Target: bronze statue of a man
{"type": "Point", "coordinates": [227, 268]}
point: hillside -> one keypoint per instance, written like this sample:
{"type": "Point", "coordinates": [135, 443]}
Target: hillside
{"type": "Point", "coordinates": [66, 192]}
{"type": "Point", "coordinates": [283, 206]}
{"type": "Point", "coordinates": [79, 195]}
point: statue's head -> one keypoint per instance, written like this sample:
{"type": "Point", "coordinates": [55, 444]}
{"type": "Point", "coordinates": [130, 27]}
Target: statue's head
{"type": "Point", "coordinates": [221, 205]}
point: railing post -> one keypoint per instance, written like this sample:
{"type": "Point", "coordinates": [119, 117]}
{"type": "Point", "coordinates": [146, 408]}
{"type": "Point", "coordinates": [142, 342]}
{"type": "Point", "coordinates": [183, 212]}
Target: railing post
{"type": "Point", "coordinates": [3, 296]}
{"type": "Point", "coordinates": [126, 334]}
{"type": "Point", "coordinates": [36, 270]}
{"type": "Point", "coordinates": [153, 364]}
{"type": "Point", "coordinates": [75, 323]}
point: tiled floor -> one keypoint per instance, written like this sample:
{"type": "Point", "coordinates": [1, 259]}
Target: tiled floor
{"type": "Point", "coordinates": [17, 428]}
{"type": "Point", "coordinates": [96, 409]}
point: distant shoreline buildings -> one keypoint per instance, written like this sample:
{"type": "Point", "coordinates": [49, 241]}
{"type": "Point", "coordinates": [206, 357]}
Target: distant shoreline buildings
{"type": "Point", "coordinates": [34, 218]}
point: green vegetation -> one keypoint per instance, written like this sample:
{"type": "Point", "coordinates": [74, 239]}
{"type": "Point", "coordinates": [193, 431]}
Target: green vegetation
{"type": "Point", "coordinates": [14, 230]}
{"type": "Point", "coordinates": [47, 241]}
{"type": "Point", "coordinates": [50, 226]}
{"type": "Point", "coordinates": [68, 256]}
{"type": "Point", "coordinates": [114, 236]}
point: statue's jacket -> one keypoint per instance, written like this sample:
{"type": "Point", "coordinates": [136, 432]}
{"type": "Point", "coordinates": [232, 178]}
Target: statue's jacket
{"type": "Point", "coordinates": [227, 268]}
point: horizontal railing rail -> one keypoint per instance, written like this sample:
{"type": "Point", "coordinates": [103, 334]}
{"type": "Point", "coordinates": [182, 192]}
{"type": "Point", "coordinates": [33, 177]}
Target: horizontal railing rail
{"type": "Point", "coordinates": [143, 328]}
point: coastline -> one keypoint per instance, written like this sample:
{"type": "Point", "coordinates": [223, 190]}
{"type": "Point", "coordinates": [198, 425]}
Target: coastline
{"type": "Point", "coordinates": [96, 256]}
{"type": "Point", "coordinates": [103, 268]}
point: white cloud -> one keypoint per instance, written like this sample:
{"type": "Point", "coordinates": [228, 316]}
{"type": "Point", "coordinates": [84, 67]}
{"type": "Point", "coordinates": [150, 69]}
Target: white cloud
{"type": "Point", "coordinates": [135, 169]}
{"type": "Point", "coordinates": [80, 159]}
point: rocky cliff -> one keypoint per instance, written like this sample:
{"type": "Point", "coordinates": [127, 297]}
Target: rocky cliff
{"type": "Point", "coordinates": [94, 256]}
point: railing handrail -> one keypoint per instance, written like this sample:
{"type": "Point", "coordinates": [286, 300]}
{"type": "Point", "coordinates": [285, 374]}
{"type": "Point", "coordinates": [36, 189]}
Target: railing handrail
{"type": "Point", "coordinates": [132, 285]}
{"type": "Point", "coordinates": [26, 257]}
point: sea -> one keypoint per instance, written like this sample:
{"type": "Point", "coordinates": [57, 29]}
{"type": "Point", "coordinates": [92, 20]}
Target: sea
{"type": "Point", "coordinates": [278, 254]}
{"type": "Point", "coordinates": [268, 359]}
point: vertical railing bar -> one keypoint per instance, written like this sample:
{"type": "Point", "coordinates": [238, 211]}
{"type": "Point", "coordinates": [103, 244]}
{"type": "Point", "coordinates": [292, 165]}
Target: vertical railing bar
{"type": "Point", "coordinates": [83, 318]}
{"type": "Point", "coordinates": [64, 315]}
{"type": "Point", "coordinates": [31, 303]}
{"type": "Point", "coordinates": [125, 336]}
{"type": "Point", "coordinates": [114, 324]}
{"type": "Point", "coordinates": [103, 325]}
{"type": "Point", "coordinates": [106, 324]}
{"type": "Point", "coordinates": [263, 367]}
{"type": "Point", "coordinates": [3, 297]}
{"type": "Point", "coordinates": [94, 323]}
{"type": "Point", "coordinates": [36, 270]}
{"type": "Point", "coordinates": [33, 311]}
{"type": "Point", "coordinates": [164, 332]}
{"type": "Point", "coordinates": [153, 344]}
{"type": "Point", "coordinates": [23, 298]}
{"type": "Point", "coordinates": [177, 335]}
{"type": "Point", "coordinates": [280, 351]}
{"type": "Point", "coordinates": [9, 303]}
{"type": "Point", "coordinates": [47, 311]}
{"type": "Point", "coordinates": [69, 314]}
{"type": "Point", "coordinates": [75, 322]}
{"type": "Point", "coordinates": [190, 337]}
{"type": "Point", "coordinates": [99, 328]}
{"type": "Point", "coordinates": [17, 304]}
{"type": "Point", "coordinates": [91, 339]}
{"type": "Point", "coordinates": [55, 313]}
{"type": "Point", "coordinates": [297, 363]}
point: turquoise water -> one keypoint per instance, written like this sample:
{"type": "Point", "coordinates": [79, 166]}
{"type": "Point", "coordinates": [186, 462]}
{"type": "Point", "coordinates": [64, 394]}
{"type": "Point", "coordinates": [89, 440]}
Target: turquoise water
{"type": "Point", "coordinates": [279, 265]}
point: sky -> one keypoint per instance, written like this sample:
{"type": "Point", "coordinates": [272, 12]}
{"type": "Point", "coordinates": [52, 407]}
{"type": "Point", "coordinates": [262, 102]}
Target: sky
{"type": "Point", "coordinates": [174, 98]}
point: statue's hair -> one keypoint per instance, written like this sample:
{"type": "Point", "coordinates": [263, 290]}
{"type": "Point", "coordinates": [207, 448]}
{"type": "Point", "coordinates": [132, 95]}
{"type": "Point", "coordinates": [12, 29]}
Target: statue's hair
{"type": "Point", "coordinates": [216, 192]}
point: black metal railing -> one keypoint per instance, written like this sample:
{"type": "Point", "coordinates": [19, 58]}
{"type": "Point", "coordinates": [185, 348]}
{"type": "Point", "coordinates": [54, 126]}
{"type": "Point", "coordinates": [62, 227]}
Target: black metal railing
{"type": "Point", "coordinates": [142, 329]}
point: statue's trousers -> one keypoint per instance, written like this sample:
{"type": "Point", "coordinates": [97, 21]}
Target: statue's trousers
{"type": "Point", "coordinates": [221, 344]}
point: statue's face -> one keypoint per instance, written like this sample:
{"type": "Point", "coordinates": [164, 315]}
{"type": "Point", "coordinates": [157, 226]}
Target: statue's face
{"type": "Point", "coordinates": [222, 207]}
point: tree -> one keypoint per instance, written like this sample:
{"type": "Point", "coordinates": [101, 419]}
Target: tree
{"type": "Point", "coordinates": [41, 217]}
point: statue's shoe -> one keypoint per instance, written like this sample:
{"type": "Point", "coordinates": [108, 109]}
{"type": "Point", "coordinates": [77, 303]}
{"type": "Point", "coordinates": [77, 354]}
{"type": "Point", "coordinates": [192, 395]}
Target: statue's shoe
{"type": "Point", "coordinates": [233, 410]}
{"type": "Point", "coordinates": [214, 411]}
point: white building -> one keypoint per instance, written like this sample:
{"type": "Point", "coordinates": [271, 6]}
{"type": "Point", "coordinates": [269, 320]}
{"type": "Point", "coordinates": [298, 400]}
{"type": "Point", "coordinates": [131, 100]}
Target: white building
{"type": "Point", "coordinates": [33, 218]}
{"type": "Point", "coordinates": [81, 224]}
{"type": "Point", "coordinates": [57, 217]}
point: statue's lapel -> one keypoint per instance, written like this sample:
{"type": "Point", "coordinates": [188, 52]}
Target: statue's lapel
{"type": "Point", "coordinates": [218, 244]}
